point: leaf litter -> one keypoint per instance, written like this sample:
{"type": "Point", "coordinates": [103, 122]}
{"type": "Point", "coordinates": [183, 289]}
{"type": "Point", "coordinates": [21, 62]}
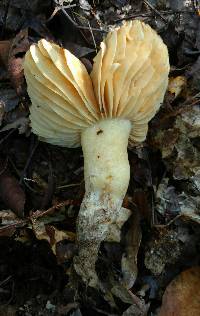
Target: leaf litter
{"type": "Point", "coordinates": [42, 186]}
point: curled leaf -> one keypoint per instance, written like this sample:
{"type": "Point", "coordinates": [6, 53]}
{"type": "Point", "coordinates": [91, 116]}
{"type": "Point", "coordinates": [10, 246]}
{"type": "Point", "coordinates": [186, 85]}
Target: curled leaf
{"type": "Point", "coordinates": [182, 296]}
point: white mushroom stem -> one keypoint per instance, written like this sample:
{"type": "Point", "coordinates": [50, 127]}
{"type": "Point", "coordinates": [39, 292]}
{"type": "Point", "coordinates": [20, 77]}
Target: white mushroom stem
{"type": "Point", "coordinates": [107, 175]}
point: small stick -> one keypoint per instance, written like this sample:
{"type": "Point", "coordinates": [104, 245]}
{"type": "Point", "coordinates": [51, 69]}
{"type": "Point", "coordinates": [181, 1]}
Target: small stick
{"type": "Point", "coordinates": [4, 167]}
{"type": "Point", "coordinates": [49, 211]}
{"type": "Point", "coordinates": [28, 162]}
{"type": "Point", "coordinates": [93, 37]}
{"type": "Point", "coordinates": [9, 133]}
{"type": "Point", "coordinates": [133, 16]}
{"type": "Point", "coordinates": [154, 9]}
{"type": "Point", "coordinates": [19, 224]}
{"type": "Point", "coordinates": [55, 11]}
{"type": "Point", "coordinates": [74, 23]}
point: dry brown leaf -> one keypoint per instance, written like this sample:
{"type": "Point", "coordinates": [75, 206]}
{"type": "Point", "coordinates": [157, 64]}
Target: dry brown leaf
{"type": "Point", "coordinates": [20, 45]}
{"type": "Point", "coordinates": [129, 258]}
{"type": "Point", "coordinates": [10, 191]}
{"type": "Point", "coordinates": [51, 234]}
{"type": "Point", "coordinates": [4, 51]}
{"type": "Point", "coordinates": [182, 296]}
{"type": "Point", "coordinates": [8, 99]}
{"type": "Point", "coordinates": [176, 85]}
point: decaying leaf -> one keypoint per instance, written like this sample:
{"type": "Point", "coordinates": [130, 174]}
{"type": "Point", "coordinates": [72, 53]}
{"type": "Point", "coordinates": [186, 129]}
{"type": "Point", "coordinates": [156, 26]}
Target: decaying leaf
{"type": "Point", "coordinates": [171, 203]}
{"type": "Point", "coordinates": [8, 98]}
{"type": "Point", "coordinates": [122, 293]}
{"type": "Point", "coordinates": [129, 258]}
{"type": "Point", "coordinates": [134, 310]}
{"type": "Point", "coordinates": [180, 145]}
{"type": "Point", "coordinates": [194, 74]}
{"type": "Point", "coordinates": [190, 206]}
{"type": "Point", "coordinates": [167, 201]}
{"type": "Point", "coordinates": [159, 252]}
{"type": "Point", "coordinates": [4, 52]}
{"type": "Point", "coordinates": [11, 193]}
{"type": "Point", "coordinates": [138, 306]}
{"type": "Point", "coordinates": [21, 124]}
{"type": "Point", "coordinates": [176, 85]}
{"type": "Point", "coordinates": [182, 296]}
{"type": "Point", "coordinates": [77, 50]}
{"type": "Point", "coordinates": [7, 217]}
{"type": "Point", "coordinates": [51, 234]}
{"type": "Point", "coordinates": [20, 45]}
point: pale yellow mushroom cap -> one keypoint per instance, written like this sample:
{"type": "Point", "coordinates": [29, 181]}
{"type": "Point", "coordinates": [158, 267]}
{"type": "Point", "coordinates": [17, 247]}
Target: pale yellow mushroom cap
{"type": "Point", "coordinates": [128, 80]}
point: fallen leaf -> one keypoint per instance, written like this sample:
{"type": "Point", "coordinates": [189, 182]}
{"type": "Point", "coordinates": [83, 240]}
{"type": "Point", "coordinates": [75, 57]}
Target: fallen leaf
{"type": "Point", "coordinates": [21, 124]}
{"type": "Point", "coordinates": [51, 234]}
{"type": "Point", "coordinates": [159, 254]}
{"type": "Point", "coordinates": [7, 217]}
{"type": "Point", "coordinates": [182, 296]}
{"type": "Point", "coordinates": [179, 144]}
{"type": "Point", "coordinates": [11, 193]}
{"type": "Point", "coordinates": [122, 293]}
{"type": "Point", "coordinates": [129, 258]}
{"type": "Point", "coordinates": [4, 51]}
{"type": "Point", "coordinates": [77, 312]}
{"type": "Point", "coordinates": [87, 63]}
{"type": "Point", "coordinates": [85, 5]}
{"type": "Point", "coordinates": [65, 251]}
{"type": "Point", "coordinates": [194, 74]}
{"type": "Point", "coordinates": [140, 199]}
{"type": "Point", "coordinates": [176, 85]}
{"type": "Point", "coordinates": [8, 98]}
{"type": "Point", "coordinates": [20, 45]}
{"type": "Point", "coordinates": [78, 50]}
{"type": "Point", "coordinates": [134, 310]}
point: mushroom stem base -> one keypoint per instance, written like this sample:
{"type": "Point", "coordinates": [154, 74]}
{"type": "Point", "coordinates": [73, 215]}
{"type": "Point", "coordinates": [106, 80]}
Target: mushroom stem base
{"type": "Point", "coordinates": [96, 222]}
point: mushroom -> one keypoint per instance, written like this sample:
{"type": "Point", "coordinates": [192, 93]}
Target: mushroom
{"type": "Point", "coordinates": [102, 112]}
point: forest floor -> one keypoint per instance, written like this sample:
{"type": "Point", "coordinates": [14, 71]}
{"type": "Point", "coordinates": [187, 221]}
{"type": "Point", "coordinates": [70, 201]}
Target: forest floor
{"type": "Point", "coordinates": [42, 186]}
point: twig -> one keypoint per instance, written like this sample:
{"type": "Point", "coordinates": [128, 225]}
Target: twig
{"type": "Point", "coordinates": [155, 10]}
{"type": "Point", "coordinates": [12, 294]}
{"type": "Point", "coordinates": [30, 188]}
{"type": "Point", "coordinates": [28, 162]}
{"type": "Point", "coordinates": [92, 37]}
{"type": "Point", "coordinates": [24, 179]}
{"type": "Point", "coordinates": [49, 190]}
{"type": "Point", "coordinates": [39, 214]}
{"type": "Point", "coordinates": [69, 185]}
{"type": "Point", "coordinates": [6, 280]}
{"type": "Point", "coordinates": [133, 16]}
{"type": "Point", "coordinates": [81, 27]}
{"type": "Point", "coordinates": [169, 223]}
{"type": "Point", "coordinates": [9, 133]}
{"type": "Point", "coordinates": [4, 167]}
{"type": "Point", "coordinates": [19, 223]}
{"type": "Point", "coordinates": [57, 9]}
